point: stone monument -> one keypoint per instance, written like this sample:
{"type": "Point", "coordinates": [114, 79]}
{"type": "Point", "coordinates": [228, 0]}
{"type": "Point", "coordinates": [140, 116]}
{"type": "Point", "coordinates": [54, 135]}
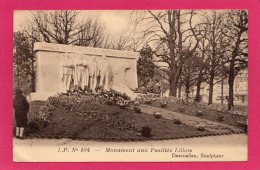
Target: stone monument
{"type": "Point", "coordinates": [63, 68]}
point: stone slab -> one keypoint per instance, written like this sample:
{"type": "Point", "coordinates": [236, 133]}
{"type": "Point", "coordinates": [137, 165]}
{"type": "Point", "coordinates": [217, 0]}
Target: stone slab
{"type": "Point", "coordinates": [49, 65]}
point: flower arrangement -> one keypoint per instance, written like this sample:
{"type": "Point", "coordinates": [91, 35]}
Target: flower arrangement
{"type": "Point", "coordinates": [115, 98]}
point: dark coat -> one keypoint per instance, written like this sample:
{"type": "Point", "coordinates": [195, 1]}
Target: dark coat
{"type": "Point", "coordinates": [21, 108]}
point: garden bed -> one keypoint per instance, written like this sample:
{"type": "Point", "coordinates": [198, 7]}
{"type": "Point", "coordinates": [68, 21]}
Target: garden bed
{"type": "Point", "coordinates": [99, 121]}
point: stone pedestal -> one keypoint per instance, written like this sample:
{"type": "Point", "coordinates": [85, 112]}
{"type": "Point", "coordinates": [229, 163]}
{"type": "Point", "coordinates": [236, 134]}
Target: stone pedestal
{"type": "Point", "coordinates": [49, 59]}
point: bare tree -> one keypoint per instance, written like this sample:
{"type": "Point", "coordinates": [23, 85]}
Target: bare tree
{"type": "Point", "coordinates": [65, 27]}
{"type": "Point", "coordinates": [202, 64]}
{"type": "Point", "coordinates": [129, 39]}
{"type": "Point", "coordinates": [173, 36]}
{"type": "Point", "coordinates": [123, 42]}
{"type": "Point", "coordinates": [62, 27]}
{"type": "Point", "coordinates": [190, 73]}
{"type": "Point", "coordinates": [236, 30]}
{"type": "Point", "coordinates": [214, 37]}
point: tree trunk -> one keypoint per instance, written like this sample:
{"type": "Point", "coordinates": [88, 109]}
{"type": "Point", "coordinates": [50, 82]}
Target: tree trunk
{"type": "Point", "coordinates": [211, 84]}
{"type": "Point", "coordinates": [173, 79]}
{"type": "Point", "coordinates": [231, 79]}
{"type": "Point", "coordinates": [187, 89]}
{"type": "Point", "coordinates": [222, 89]}
{"type": "Point", "coordinates": [179, 93]}
{"type": "Point", "coordinates": [231, 74]}
{"type": "Point", "coordinates": [173, 87]}
{"type": "Point", "coordinates": [198, 97]}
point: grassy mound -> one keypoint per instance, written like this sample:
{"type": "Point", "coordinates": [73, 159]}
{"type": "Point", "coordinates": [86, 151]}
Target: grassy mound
{"type": "Point", "coordinates": [90, 117]}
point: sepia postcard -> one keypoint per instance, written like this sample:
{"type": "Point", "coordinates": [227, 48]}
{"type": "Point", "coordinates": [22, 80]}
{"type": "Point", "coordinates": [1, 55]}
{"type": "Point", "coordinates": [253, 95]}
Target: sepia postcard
{"type": "Point", "coordinates": [129, 84]}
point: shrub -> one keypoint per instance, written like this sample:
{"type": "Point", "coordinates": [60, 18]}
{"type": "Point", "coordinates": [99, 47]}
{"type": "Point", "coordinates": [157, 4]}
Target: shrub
{"type": "Point", "coordinates": [109, 102]}
{"type": "Point", "coordinates": [177, 121]}
{"type": "Point", "coordinates": [115, 98]}
{"type": "Point", "coordinates": [54, 100]}
{"type": "Point", "coordinates": [199, 113]}
{"type": "Point", "coordinates": [220, 110]}
{"type": "Point", "coordinates": [73, 102]}
{"type": "Point", "coordinates": [242, 124]}
{"type": "Point", "coordinates": [147, 98]}
{"type": "Point", "coordinates": [154, 98]}
{"type": "Point", "coordinates": [163, 104]}
{"type": "Point", "coordinates": [200, 128]}
{"type": "Point", "coordinates": [123, 106]}
{"type": "Point", "coordinates": [33, 127]}
{"type": "Point", "coordinates": [69, 102]}
{"type": "Point", "coordinates": [123, 103]}
{"type": "Point", "coordinates": [137, 109]}
{"type": "Point", "coordinates": [80, 92]}
{"type": "Point", "coordinates": [148, 101]}
{"type": "Point", "coordinates": [157, 115]}
{"type": "Point", "coordinates": [220, 117]}
{"type": "Point", "coordinates": [42, 117]}
{"type": "Point", "coordinates": [146, 131]}
{"type": "Point", "coordinates": [181, 109]}
{"type": "Point", "coordinates": [163, 101]}
{"type": "Point", "coordinates": [44, 112]}
{"type": "Point", "coordinates": [36, 125]}
{"type": "Point", "coordinates": [142, 90]}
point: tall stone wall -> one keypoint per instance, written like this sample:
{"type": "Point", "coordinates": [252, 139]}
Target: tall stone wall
{"type": "Point", "coordinates": [49, 59]}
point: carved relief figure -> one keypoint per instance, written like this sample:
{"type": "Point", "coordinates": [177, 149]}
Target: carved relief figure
{"type": "Point", "coordinates": [92, 70]}
{"type": "Point", "coordinates": [103, 72]}
{"type": "Point", "coordinates": [83, 72]}
{"type": "Point", "coordinates": [67, 72]}
{"type": "Point", "coordinates": [88, 63]}
{"type": "Point", "coordinates": [64, 71]}
{"type": "Point", "coordinates": [80, 69]}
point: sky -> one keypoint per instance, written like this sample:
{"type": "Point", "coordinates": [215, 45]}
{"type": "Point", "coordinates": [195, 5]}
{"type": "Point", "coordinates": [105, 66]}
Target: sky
{"type": "Point", "coordinates": [115, 21]}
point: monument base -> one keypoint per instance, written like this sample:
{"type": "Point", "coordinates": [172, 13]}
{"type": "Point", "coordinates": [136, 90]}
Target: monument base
{"type": "Point", "coordinates": [40, 96]}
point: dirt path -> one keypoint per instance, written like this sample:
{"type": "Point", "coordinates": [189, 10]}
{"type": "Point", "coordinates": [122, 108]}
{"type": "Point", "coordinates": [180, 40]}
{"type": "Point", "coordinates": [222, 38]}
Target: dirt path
{"type": "Point", "coordinates": [211, 126]}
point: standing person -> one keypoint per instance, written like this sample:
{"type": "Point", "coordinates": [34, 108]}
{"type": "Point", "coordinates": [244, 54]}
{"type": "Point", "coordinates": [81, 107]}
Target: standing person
{"type": "Point", "coordinates": [21, 108]}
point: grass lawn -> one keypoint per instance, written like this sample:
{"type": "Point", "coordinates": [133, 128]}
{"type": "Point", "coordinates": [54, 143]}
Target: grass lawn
{"type": "Point", "coordinates": [228, 118]}
{"type": "Point", "coordinates": [109, 122]}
